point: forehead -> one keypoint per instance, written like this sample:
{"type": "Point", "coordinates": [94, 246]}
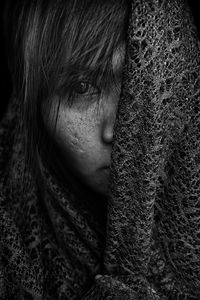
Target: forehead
{"type": "Point", "coordinates": [118, 59]}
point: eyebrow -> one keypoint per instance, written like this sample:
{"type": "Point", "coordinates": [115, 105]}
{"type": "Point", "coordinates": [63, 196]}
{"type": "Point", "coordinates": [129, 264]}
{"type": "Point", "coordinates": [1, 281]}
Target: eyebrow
{"type": "Point", "coordinates": [101, 75]}
{"type": "Point", "coordinates": [90, 71]}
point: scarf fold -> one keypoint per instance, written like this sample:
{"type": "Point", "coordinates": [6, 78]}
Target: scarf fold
{"type": "Point", "coordinates": [153, 217]}
{"type": "Point", "coordinates": [51, 247]}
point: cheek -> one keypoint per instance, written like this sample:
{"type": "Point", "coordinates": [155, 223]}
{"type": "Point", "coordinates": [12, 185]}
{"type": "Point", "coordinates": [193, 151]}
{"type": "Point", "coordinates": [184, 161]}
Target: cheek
{"type": "Point", "coordinates": [77, 136]}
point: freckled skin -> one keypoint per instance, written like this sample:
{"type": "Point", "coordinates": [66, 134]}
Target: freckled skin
{"type": "Point", "coordinates": [84, 134]}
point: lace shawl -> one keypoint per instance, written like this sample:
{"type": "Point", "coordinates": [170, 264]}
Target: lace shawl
{"type": "Point", "coordinates": [51, 246]}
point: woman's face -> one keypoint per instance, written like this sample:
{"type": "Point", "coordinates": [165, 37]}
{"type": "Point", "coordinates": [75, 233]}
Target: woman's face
{"type": "Point", "coordinates": [84, 129]}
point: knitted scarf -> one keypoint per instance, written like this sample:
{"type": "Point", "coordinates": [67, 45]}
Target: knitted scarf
{"type": "Point", "coordinates": [51, 245]}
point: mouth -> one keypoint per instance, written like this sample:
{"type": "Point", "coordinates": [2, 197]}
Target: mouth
{"type": "Point", "coordinates": [105, 168]}
{"type": "Point", "coordinates": [106, 171]}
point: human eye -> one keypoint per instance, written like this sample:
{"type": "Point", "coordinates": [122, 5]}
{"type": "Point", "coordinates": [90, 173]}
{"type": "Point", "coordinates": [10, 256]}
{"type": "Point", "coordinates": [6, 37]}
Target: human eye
{"type": "Point", "coordinates": [84, 88]}
{"type": "Point", "coordinates": [80, 91]}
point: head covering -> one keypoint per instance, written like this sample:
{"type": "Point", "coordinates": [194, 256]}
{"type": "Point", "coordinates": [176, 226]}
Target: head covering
{"type": "Point", "coordinates": [52, 248]}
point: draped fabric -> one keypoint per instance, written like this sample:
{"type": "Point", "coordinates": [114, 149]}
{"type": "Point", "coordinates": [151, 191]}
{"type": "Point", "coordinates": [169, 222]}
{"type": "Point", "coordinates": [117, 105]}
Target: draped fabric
{"type": "Point", "coordinates": [52, 247]}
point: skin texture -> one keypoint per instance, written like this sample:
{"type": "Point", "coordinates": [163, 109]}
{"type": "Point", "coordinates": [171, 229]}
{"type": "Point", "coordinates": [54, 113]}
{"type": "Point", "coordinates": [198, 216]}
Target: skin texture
{"type": "Point", "coordinates": [152, 239]}
{"type": "Point", "coordinates": [84, 129]}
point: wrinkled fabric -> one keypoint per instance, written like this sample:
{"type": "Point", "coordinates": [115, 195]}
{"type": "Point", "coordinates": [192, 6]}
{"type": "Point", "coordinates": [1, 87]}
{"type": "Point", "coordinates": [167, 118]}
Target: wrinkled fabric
{"type": "Point", "coordinates": [51, 246]}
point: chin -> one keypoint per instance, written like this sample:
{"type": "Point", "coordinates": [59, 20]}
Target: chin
{"type": "Point", "coordinates": [100, 186]}
{"type": "Point", "coordinates": [102, 190]}
{"type": "Point", "coordinates": [95, 181]}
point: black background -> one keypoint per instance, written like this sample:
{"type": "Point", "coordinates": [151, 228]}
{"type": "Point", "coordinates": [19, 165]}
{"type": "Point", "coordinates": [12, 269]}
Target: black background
{"type": "Point", "coordinates": [5, 79]}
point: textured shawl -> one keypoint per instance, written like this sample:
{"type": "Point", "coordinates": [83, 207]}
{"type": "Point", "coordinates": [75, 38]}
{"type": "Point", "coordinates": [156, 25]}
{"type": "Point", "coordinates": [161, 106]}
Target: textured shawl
{"type": "Point", "coordinates": [51, 246]}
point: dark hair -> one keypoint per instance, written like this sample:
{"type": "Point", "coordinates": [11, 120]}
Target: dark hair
{"type": "Point", "coordinates": [50, 42]}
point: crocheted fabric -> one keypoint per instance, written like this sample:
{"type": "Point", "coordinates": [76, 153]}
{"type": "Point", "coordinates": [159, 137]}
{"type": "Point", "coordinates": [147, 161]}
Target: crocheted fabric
{"type": "Point", "coordinates": [51, 247]}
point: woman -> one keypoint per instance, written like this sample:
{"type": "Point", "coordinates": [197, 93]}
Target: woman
{"type": "Point", "coordinates": [56, 144]}
{"type": "Point", "coordinates": [66, 77]}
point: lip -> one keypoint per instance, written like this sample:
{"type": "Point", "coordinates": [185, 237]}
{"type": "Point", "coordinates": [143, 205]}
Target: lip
{"type": "Point", "coordinates": [105, 171]}
{"type": "Point", "coordinates": [105, 168]}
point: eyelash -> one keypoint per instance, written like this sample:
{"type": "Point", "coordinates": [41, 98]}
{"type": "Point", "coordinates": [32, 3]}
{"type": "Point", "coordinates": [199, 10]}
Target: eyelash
{"type": "Point", "coordinates": [90, 93]}
{"type": "Point", "coordinates": [87, 88]}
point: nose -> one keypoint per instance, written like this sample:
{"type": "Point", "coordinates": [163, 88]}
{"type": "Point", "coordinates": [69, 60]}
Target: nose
{"type": "Point", "coordinates": [109, 117]}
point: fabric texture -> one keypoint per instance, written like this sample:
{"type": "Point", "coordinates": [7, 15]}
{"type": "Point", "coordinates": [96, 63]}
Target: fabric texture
{"type": "Point", "coordinates": [52, 247]}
